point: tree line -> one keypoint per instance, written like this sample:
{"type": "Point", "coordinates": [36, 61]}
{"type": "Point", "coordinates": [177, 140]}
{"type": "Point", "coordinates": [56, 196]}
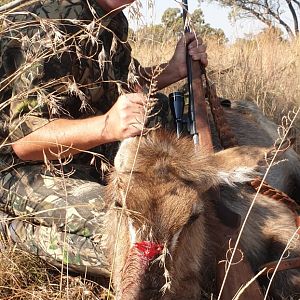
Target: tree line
{"type": "Point", "coordinates": [172, 24]}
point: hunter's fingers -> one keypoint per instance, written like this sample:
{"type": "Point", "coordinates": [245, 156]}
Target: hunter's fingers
{"type": "Point", "coordinates": [137, 98]}
{"type": "Point", "coordinates": [196, 48]}
{"type": "Point", "coordinates": [137, 124]}
{"type": "Point", "coordinates": [201, 56]}
{"type": "Point", "coordinates": [135, 108]}
{"type": "Point", "coordinates": [190, 37]}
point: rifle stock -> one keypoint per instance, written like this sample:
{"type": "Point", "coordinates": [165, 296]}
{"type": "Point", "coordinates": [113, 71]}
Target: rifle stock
{"type": "Point", "coordinates": [200, 117]}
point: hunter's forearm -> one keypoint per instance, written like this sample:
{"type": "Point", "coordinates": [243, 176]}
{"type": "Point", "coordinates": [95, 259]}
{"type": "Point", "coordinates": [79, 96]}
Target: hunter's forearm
{"type": "Point", "coordinates": [62, 137]}
{"type": "Point", "coordinates": [162, 75]}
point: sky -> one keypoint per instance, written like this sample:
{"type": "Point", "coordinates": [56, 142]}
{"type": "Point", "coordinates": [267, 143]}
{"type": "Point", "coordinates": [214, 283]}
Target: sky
{"type": "Point", "coordinates": [214, 14]}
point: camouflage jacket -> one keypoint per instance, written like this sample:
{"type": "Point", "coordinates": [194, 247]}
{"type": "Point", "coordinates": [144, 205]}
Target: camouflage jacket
{"type": "Point", "coordinates": [59, 59]}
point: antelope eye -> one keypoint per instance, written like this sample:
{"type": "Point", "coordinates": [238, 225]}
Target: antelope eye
{"type": "Point", "coordinates": [193, 218]}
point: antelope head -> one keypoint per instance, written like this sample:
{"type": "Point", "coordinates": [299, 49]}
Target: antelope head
{"type": "Point", "coordinates": [158, 195]}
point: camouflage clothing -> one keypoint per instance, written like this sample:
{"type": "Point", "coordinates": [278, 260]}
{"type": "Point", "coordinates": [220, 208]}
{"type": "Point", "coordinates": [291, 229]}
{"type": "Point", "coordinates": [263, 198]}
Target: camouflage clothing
{"type": "Point", "coordinates": [59, 59]}
{"type": "Point", "coordinates": [58, 218]}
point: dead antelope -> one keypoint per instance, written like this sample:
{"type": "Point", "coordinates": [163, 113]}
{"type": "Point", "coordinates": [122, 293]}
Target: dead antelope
{"type": "Point", "coordinates": [161, 234]}
{"type": "Point", "coordinates": [251, 127]}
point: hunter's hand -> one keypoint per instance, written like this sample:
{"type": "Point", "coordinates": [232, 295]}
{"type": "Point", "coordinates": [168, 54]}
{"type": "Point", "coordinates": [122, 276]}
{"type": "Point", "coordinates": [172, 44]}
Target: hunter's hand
{"type": "Point", "coordinates": [127, 117]}
{"type": "Point", "coordinates": [196, 49]}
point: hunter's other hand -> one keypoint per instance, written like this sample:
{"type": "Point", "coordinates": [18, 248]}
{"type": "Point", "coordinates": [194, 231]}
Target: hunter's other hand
{"type": "Point", "coordinates": [196, 49]}
{"type": "Point", "coordinates": [127, 116]}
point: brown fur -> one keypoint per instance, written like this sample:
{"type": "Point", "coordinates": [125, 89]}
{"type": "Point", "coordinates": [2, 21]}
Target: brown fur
{"type": "Point", "coordinates": [161, 187]}
{"type": "Point", "coordinates": [251, 127]}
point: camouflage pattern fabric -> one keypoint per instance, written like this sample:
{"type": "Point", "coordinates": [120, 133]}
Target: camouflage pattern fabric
{"type": "Point", "coordinates": [57, 211]}
{"type": "Point", "coordinates": [59, 218]}
{"type": "Point", "coordinates": [60, 59]}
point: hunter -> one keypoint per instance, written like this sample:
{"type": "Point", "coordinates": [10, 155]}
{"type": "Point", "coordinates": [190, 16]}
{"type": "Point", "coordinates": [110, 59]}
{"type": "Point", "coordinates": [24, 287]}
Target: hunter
{"type": "Point", "coordinates": [68, 95]}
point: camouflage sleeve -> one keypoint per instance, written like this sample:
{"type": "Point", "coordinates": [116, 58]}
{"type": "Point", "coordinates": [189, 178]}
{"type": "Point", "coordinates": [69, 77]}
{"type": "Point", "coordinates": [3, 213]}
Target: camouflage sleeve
{"type": "Point", "coordinates": [30, 96]}
{"type": "Point", "coordinates": [18, 97]}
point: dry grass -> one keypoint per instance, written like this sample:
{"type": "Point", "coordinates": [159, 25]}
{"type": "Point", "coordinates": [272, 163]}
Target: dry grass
{"type": "Point", "coordinates": [265, 70]}
{"type": "Point", "coordinates": [24, 276]}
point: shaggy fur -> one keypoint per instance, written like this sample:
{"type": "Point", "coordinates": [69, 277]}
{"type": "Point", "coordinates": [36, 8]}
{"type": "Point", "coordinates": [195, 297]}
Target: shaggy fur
{"type": "Point", "coordinates": [160, 192]}
{"type": "Point", "coordinates": [251, 127]}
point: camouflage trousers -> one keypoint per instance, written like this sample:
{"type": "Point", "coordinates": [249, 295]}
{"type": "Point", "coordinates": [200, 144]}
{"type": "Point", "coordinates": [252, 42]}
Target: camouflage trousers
{"type": "Point", "coordinates": [58, 218]}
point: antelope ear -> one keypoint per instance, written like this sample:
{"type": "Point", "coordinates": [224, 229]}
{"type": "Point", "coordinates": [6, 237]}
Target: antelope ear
{"type": "Point", "coordinates": [237, 165]}
{"type": "Point", "coordinates": [230, 166]}
{"type": "Point", "coordinates": [124, 158]}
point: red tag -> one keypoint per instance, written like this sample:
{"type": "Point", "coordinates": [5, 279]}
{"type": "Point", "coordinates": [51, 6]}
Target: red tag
{"type": "Point", "coordinates": [149, 249]}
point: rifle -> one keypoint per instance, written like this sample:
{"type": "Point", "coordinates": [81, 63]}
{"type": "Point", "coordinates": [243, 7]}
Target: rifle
{"type": "Point", "coordinates": [196, 122]}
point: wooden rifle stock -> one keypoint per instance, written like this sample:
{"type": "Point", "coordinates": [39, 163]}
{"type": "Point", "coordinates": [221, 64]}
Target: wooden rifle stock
{"type": "Point", "coordinates": [200, 117]}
